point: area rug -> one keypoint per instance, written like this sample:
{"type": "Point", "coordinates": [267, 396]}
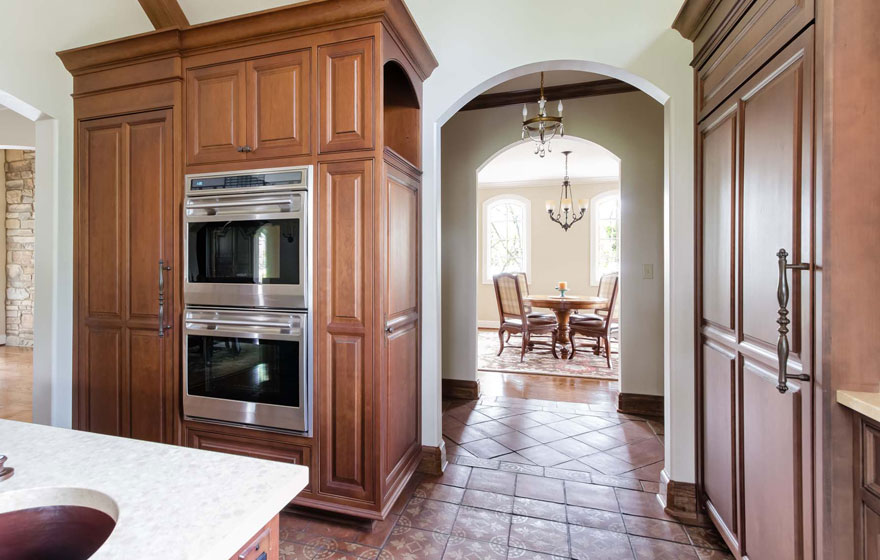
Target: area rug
{"type": "Point", "coordinates": [540, 361]}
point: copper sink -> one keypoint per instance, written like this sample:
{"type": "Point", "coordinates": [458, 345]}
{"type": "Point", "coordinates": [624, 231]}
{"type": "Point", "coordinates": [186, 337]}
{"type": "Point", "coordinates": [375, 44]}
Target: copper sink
{"type": "Point", "coordinates": [53, 533]}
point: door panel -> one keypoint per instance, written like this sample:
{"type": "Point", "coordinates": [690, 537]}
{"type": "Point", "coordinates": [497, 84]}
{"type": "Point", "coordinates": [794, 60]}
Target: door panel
{"type": "Point", "coordinates": [719, 425]}
{"type": "Point", "coordinates": [279, 108]}
{"type": "Point", "coordinates": [124, 213]}
{"type": "Point", "coordinates": [344, 358]}
{"type": "Point", "coordinates": [345, 95]}
{"type": "Point", "coordinates": [215, 119]}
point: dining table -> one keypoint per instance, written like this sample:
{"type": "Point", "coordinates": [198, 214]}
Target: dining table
{"type": "Point", "coordinates": [562, 307]}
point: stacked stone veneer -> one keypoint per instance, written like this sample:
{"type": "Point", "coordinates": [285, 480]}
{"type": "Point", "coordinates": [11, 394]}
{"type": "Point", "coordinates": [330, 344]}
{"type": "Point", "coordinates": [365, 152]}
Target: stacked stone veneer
{"type": "Point", "coordinates": [19, 248]}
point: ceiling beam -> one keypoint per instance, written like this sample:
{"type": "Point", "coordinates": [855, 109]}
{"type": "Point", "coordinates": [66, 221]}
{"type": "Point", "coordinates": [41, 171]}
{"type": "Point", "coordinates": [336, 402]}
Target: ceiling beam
{"type": "Point", "coordinates": [164, 13]}
{"type": "Point", "coordinates": [552, 93]}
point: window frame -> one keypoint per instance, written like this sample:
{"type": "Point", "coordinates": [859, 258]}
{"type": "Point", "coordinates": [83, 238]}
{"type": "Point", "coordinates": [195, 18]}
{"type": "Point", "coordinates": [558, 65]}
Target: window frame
{"type": "Point", "coordinates": [526, 205]}
{"type": "Point", "coordinates": [595, 276]}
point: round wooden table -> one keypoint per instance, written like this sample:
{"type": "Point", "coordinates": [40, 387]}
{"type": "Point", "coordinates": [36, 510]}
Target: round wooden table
{"type": "Point", "coordinates": [562, 308]}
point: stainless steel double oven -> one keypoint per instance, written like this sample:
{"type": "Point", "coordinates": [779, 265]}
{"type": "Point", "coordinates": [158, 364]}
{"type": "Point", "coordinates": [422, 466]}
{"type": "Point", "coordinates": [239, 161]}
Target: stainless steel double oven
{"type": "Point", "coordinates": [247, 342]}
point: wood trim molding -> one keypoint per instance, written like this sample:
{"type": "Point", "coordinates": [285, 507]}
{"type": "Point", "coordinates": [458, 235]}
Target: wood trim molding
{"type": "Point", "coordinates": [644, 405]}
{"type": "Point", "coordinates": [679, 500]}
{"type": "Point", "coordinates": [567, 91]}
{"type": "Point", "coordinates": [433, 460]}
{"type": "Point", "coordinates": [295, 19]}
{"type": "Point", "coordinates": [460, 389]}
{"type": "Point", "coordinates": [164, 13]}
{"type": "Point", "coordinates": [692, 16]}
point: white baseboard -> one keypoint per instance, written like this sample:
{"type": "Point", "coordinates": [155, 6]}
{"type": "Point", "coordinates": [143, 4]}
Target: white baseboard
{"type": "Point", "coordinates": [487, 324]}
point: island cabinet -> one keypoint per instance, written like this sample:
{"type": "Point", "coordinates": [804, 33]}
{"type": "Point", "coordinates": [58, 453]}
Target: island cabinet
{"type": "Point", "coordinates": [332, 84]}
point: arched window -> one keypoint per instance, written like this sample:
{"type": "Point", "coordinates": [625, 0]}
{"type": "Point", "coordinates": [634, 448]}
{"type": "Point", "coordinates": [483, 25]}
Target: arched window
{"type": "Point", "coordinates": [505, 235]}
{"type": "Point", "coordinates": [605, 235]}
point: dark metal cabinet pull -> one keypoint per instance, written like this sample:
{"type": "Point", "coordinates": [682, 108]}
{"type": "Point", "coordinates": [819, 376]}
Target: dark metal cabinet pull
{"type": "Point", "coordinates": [783, 321]}
{"type": "Point", "coordinates": [162, 326]}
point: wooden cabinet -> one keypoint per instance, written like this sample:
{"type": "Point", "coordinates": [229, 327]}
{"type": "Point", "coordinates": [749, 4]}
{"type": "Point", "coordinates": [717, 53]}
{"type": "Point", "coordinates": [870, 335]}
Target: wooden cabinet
{"type": "Point", "coordinates": [255, 109]}
{"type": "Point", "coordinates": [125, 332]}
{"type": "Point", "coordinates": [264, 545]}
{"type": "Point", "coordinates": [345, 95]}
{"type": "Point", "coordinates": [337, 89]}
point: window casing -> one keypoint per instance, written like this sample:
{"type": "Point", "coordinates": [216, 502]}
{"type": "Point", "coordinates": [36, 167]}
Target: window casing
{"type": "Point", "coordinates": [605, 235]}
{"type": "Point", "coordinates": [506, 235]}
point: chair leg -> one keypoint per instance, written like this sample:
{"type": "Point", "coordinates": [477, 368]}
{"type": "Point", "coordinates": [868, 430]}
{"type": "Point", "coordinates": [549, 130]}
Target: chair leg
{"type": "Point", "coordinates": [553, 344]}
{"type": "Point", "coordinates": [525, 344]}
{"type": "Point", "coordinates": [573, 345]}
{"type": "Point", "coordinates": [508, 336]}
{"type": "Point", "coordinates": [607, 352]}
{"type": "Point", "coordinates": [501, 338]}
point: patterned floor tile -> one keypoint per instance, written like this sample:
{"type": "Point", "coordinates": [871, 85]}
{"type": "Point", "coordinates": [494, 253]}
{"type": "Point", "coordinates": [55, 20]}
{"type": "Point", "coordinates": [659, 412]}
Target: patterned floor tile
{"type": "Point", "coordinates": [407, 543]}
{"type": "Point", "coordinates": [482, 525]}
{"type": "Point", "coordinates": [617, 481]}
{"type": "Point", "coordinates": [592, 544]}
{"type": "Point", "coordinates": [540, 509]}
{"type": "Point", "coordinates": [544, 455]}
{"type": "Point", "coordinates": [653, 487]}
{"type": "Point", "coordinates": [429, 514]}
{"type": "Point", "coordinates": [441, 492]}
{"type": "Point", "coordinates": [521, 468]}
{"type": "Point", "coordinates": [565, 474]}
{"type": "Point", "coordinates": [643, 504]}
{"type": "Point", "coordinates": [539, 535]}
{"type": "Point", "coordinates": [476, 462]}
{"type": "Point", "coordinates": [652, 549]}
{"type": "Point", "coordinates": [519, 422]}
{"type": "Point", "coordinates": [655, 528]}
{"type": "Point", "coordinates": [650, 472]}
{"type": "Point", "coordinates": [515, 458]}
{"type": "Point", "coordinates": [569, 427]}
{"type": "Point", "coordinates": [706, 537]}
{"type": "Point", "coordinates": [543, 417]}
{"type": "Point", "coordinates": [460, 433]}
{"type": "Point", "coordinates": [498, 481]}
{"type": "Point", "coordinates": [712, 554]}
{"type": "Point", "coordinates": [575, 465]}
{"type": "Point", "coordinates": [599, 441]}
{"type": "Point", "coordinates": [540, 488]}
{"type": "Point", "coordinates": [497, 412]}
{"type": "Point", "coordinates": [629, 432]}
{"type": "Point", "coordinates": [486, 448]}
{"type": "Point", "coordinates": [592, 423]}
{"type": "Point", "coordinates": [488, 500]}
{"type": "Point", "coordinates": [595, 518]}
{"type": "Point", "coordinates": [543, 434]}
{"type": "Point", "coordinates": [516, 440]}
{"type": "Point", "coordinates": [604, 463]}
{"type": "Point", "coordinates": [520, 554]}
{"type": "Point", "coordinates": [573, 448]}
{"type": "Point", "coordinates": [590, 495]}
{"type": "Point", "coordinates": [454, 475]}
{"type": "Point", "coordinates": [467, 415]}
{"type": "Point", "coordinates": [639, 454]}
{"type": "Point", "coordinates": [493, 428]}
{"type": "Point", "coordinates": [466, 549]}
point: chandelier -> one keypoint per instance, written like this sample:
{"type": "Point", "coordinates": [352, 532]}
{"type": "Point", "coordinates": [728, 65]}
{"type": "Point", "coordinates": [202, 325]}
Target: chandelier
{"type": "Point", "coordinates": [542, 127]}
{"type": "Point", "coordinates": [565, 215]}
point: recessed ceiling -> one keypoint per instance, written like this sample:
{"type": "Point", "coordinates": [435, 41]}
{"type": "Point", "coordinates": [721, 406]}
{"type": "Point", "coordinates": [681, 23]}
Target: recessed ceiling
{"type": "Point", "coordinates": [519, 164]}
{"type": "Point", "coordinates": [551, 78]}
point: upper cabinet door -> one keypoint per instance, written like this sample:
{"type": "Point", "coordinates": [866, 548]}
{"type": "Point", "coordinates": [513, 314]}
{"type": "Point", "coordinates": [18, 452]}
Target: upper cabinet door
{"type": "Point", "coordinates": [278, 115]}
{"type": "Point", "coordinates": [215, 113]}
{"type": "Point", "coordinates": [345, 92]}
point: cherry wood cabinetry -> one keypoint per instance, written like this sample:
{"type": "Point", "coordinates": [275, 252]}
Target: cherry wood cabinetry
{"type": "Point", "coordinates": [786, 116]}
{"type": "Point", "coordinates": [333, 84]}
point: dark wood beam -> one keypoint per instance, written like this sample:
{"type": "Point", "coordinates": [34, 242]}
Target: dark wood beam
{"type": "Point", "coordinates": [164, 13]}
{"type": "Point", "coordinates": [552, 93]}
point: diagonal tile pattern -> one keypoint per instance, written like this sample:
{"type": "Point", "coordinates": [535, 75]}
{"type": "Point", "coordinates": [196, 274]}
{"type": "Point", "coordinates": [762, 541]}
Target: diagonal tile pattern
{"type": "Point", "coordinates": [527, 479]}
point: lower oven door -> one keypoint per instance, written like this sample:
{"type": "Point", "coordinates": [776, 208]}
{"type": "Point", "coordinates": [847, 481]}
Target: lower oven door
{"type": "Point", "coordinates": [247, 367]}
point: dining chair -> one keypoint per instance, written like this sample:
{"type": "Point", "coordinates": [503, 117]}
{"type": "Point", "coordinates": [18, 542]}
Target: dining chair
{"type": "Point", "coordinates": [514, 318]}
{"type": "Point", "coordinates": [597, 326]}
{"type": "Point", "coordinates": [523, 280]}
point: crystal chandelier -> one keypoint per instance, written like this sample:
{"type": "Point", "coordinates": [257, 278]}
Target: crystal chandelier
{"type": "Point", "coordinates": [542, 127]}
{"type": "Point", "coordinates": [565, 215]}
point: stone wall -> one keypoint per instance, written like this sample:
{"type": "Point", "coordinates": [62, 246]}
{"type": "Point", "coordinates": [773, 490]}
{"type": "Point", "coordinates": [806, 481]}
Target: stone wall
{"type": "Point", "coordinates": [19, 248]}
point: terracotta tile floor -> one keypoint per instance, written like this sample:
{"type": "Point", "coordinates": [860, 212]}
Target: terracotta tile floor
{"type": "Point", "coordinates": [527, 479]}
{"type": "Point", "coordinates": [16, 383]}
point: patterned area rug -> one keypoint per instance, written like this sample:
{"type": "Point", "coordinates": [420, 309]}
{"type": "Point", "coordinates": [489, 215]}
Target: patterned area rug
{"type": "Point", "coordinates": [540, 360]}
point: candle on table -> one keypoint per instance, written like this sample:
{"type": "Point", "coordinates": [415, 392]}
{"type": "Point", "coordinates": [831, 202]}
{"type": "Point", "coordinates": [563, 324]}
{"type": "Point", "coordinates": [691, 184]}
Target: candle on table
{"type": "Point", "coordinates": [562, 286]}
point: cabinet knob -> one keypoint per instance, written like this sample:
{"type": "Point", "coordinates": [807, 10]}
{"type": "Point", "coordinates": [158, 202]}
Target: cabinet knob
{"type": "Point", "coordinates": [244, 149]}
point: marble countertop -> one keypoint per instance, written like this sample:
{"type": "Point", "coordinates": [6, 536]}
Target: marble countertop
{"type": "Point", "coordinates": [169, 502]}
{"type": "Point", "coordinates": [864, 403]}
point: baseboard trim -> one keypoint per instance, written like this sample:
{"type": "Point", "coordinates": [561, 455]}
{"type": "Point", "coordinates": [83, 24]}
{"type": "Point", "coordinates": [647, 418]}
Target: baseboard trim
{"type": "Point", "coordinates": [644, 405]}
{"type": "Point", "coordinates": [460, 389]}
{"type": "Point", "coordinates": [679, 500]}
{"type": "Point", "coordinates": [433, 460]}
{"type": "Point", "coordinates": [488, 324]}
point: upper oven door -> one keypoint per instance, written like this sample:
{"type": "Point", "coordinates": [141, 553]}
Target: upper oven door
{"type": "Point", "coordinates": [246, 250]}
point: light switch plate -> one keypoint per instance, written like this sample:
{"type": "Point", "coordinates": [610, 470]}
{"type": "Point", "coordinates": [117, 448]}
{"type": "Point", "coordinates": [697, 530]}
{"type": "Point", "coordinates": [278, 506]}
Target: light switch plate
{"type": "Point", "coordinates": [648, 271]}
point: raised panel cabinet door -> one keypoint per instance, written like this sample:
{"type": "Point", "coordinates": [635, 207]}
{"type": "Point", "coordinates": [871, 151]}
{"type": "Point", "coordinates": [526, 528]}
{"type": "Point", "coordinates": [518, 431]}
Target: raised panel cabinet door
{"type": "Point", "coordinates": [345, 95]}
{"type": "Point", "coordinates": [344, 357]}
{"type": "Point", "coordinates": [124, 212]}
{"type": "Point", "coordinates": [279, 109]}
{"type": "Point", "coordinates": [216, 98]}
{"type": "Point", "coordinates": [401, 344]}
{"type": "Point", "coordinates": [775, 212]}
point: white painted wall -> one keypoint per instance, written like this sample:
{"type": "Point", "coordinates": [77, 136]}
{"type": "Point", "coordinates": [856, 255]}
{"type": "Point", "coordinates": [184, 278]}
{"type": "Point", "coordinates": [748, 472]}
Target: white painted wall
{"type": "Point", "coordinates": [630, 126]}
{"type": "Point", "coordinates": [16, 131]}
{"type": "Point", "coordinates": [479, 45]}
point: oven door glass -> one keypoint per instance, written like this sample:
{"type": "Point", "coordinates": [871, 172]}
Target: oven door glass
{"type": "Point", "coordinates": [260, 252]}
{"type": "Point", "coordinates": [253, 370]}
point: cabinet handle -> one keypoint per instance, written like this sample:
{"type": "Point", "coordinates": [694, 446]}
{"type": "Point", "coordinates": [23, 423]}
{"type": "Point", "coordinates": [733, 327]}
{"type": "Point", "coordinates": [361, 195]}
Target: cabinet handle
{"type": "Point", "coordinates": [783, 321]}
{"type": "Point", "coordinates": [162, 326]}
{"type": "Point", "coordinates": [255, 545]}
{"type": "Point", "coordinates": [244, 149]}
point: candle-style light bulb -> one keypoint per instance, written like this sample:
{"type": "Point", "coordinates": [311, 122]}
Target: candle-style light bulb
{"type": "Point", "coordinates": [583, 204]}
{"type": "Point", "coordinates": [525, 112]}
{"type": "Point", "coordinates": [550, 205]}
{"type": "Point", "coordinates": [559, 107]}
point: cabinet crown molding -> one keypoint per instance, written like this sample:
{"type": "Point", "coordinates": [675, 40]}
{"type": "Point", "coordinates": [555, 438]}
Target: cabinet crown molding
{"type": "Point", "coordinates": [303, 18]}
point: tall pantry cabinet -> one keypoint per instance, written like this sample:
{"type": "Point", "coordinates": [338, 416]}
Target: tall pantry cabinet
{"type": "Point", "coordinates": [334, 84]}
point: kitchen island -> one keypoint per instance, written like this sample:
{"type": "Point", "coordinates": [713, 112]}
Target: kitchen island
{"type": "Point", "coordinates": [167, 502]}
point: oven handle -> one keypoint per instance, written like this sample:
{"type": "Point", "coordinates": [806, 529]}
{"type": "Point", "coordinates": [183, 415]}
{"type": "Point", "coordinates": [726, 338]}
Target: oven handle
{"type": "Point", "coordinates": [288, 201]}
{"type": "Point", "coordinates": [278, 325]}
